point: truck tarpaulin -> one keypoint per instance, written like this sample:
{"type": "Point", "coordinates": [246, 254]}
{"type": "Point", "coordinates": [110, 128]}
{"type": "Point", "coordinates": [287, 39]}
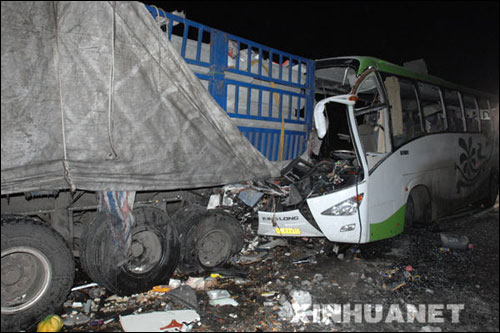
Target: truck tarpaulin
{"type": "Point", "coordinates": [95, 97]}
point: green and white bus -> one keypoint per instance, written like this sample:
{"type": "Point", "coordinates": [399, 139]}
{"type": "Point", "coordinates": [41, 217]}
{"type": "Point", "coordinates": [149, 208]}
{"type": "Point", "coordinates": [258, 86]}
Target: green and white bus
{"type": "Point", "coordinates": [419, 147]}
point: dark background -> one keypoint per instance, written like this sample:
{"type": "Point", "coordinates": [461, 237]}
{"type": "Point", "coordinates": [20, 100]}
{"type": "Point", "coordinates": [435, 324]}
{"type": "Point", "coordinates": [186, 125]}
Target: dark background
{"type": "Point", "coordinates": [458, 40]}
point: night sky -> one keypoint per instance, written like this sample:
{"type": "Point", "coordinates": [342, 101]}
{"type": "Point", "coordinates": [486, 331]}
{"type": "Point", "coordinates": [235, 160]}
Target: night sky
{"type": "Point", "coordinates": [458, 40]}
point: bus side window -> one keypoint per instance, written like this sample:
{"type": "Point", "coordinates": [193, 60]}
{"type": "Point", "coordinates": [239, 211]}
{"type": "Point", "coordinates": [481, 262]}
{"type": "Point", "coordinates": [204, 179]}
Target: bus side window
{"type": "Point", "coordinates": [484, 116]}
{"type": "Point", "coordinates": [405, 116]}
{"type": "Point", "coordinates": [432, 108]}
{"type": "Point", "coordinates": [471, 114]}
{"type": "Point", "coordinates": [454, 111]}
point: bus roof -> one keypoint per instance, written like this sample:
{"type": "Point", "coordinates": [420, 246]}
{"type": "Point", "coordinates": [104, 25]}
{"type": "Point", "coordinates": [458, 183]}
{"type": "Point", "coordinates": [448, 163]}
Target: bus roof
{"type": "Point", "coordinates": [387, 67]}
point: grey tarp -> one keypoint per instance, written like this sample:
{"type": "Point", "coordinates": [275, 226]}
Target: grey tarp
{"type": "Point", "coordinates": [94, 95]}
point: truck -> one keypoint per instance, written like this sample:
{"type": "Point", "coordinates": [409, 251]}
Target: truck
{"type": "Point", "coordinates": [160, 136]}
{"type": "Point", "coordinates": [119, 121]}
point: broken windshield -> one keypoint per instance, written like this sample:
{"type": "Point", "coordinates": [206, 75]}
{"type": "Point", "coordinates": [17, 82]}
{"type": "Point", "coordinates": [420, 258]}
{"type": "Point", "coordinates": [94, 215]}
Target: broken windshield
{"type": "Point", "coordinates": [335, 81]}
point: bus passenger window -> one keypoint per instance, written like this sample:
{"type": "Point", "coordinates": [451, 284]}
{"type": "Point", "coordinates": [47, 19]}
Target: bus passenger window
{"type": "Point", "coordinates": [405, 117]}
{"type": "Point", "coordinates": [484, 116]}
{"type": "Point", "coordinates": [471, 114]}
{"type": "Point", "coordinates": [454, 111]}
{"type": "Point", "coordinates": [432, 108]}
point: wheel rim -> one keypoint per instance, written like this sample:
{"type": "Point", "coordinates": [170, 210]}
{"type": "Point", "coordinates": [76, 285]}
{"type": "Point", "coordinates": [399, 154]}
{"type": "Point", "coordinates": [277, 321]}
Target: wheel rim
{"type": "Point", "coordinates": [146, 251]}
{"type": "Point", "coordinates": [26, 276]}
{"type": "Point", "coordinates": [214, 248]}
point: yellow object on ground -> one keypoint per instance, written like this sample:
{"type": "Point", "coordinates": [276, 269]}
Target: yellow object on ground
{"type": "Point", "coordinates": [52, 323]}
{"type": "Point", "coordinates": [161, 289]}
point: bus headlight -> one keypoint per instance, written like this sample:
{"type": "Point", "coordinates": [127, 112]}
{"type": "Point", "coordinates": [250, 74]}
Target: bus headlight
{"type": "Point", "coordinates": [346, 207]}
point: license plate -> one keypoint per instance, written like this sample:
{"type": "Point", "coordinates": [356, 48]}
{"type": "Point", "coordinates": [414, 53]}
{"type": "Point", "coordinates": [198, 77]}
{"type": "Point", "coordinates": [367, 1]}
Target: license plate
{"type": "Point", "coordinates": [287, 231]}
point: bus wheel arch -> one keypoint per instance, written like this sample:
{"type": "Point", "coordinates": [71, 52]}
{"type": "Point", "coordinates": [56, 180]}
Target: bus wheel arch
{"type": "Point", "coordinates": [421, 202]}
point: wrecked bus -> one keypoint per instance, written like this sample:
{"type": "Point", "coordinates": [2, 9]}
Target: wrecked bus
{"type": "Point", "coordinates": [130, 148]}
{"type": "Point", "coordinates": [397, 148]}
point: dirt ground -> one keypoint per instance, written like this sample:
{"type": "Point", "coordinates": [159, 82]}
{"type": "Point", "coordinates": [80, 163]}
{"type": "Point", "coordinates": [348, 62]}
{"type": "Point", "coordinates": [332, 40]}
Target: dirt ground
{"type": "Point", "coordinates": [374, 273]}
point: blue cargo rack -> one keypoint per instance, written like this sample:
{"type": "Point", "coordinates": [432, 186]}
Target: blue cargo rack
{"type": "Point", "coordinates": [259, 87]}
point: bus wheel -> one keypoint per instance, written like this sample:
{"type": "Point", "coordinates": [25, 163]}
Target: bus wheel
{"type": "Point", "coordinates": [492, 192]}
{"type": "Point", "coordinates": [154, 252]}
{"type": "Point", "coordinates": [420, 207]}
{"type": "Point", "coordinates": [212, 239]}
{"type": "Point", "coordinates": [409, 214]}
{"type": "Point", "coordinates": [37, 272]}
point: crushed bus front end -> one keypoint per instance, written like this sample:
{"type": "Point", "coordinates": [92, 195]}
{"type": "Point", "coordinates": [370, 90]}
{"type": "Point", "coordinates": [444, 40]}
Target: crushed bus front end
{"type": "Point", "coordinates": [324, 194]}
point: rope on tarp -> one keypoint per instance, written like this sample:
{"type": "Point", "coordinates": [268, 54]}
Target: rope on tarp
{"type": "Point", "coordinates": [67, 175]}
{"type": "Point", "coordinates": [161, 20]}
{"type": "Point", "coordinates": [113, 155]}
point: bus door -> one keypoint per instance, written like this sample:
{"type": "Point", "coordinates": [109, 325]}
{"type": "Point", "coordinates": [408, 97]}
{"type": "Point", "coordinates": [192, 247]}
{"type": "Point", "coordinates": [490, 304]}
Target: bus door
{"type": "Point", "coordinates": [342, 215]}
{"type": "Point", "coordinates": [386, 197]}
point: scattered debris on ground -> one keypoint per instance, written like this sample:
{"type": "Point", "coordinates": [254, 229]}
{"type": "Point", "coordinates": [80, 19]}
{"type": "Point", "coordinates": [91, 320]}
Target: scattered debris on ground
{"type": "Point", "coordinates": [281, 284]}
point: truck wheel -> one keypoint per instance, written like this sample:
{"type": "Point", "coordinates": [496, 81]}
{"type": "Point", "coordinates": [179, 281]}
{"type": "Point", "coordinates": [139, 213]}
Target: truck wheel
{"type": "Point", "coordinates": [37, 272]}
{"type": "Point", "coordinates": [210, 242]}
{"type": "Point", "coordinates": [155, 253]}
{"type": "Point", "coordinates": [92, 248]}
{"type": "Point", "coordinates": [186, 217]}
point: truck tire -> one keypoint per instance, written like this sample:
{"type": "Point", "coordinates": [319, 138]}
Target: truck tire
{"type": "Point", "coordinates": [93, 247]}
{"type": "Point", "coordinates": [155, 252]}
{"type": "Point", "coordinates": [38, 270]}
{"type": "Point", "coordinates": [210, 242]}
{"type": "Point", "coordinates": [186, 217]}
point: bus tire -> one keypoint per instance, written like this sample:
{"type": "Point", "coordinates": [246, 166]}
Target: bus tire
{"type": "Point", "coordinates": [422, 206]}
{"type": "Point", "coordinates": [409, 214]}
{"type": "Point", "coordinates": [210, 242]}
{"type": "Point", "coordinates": [30, 246]}
{"type": "Point", "coordinates": [155, 253]}
{"type": "Point", "coordinates": [490, 200]}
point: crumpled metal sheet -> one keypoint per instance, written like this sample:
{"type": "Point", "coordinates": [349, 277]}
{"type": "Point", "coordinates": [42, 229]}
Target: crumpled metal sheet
{"type": "Point", "coordinates": [94, 96]}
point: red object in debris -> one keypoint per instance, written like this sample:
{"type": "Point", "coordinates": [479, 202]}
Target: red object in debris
{"type": "Point", "coordinates": [173, 324]}
{"type": "Point", "coordinates": [470, 246]}
{"type": "Point", "coordinates": [409, 268]}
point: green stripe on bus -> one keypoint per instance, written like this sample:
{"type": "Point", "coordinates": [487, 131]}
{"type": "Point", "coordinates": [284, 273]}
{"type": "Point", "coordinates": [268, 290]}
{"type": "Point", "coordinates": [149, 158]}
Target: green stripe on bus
{"type": "Point", "coordinates": [385, 66]}
{"type": "Point", "coordinates": [391, 227]}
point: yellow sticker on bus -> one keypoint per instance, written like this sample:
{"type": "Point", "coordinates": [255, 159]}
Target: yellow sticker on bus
{"type": "Point", "coordinates": [288, 231]}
